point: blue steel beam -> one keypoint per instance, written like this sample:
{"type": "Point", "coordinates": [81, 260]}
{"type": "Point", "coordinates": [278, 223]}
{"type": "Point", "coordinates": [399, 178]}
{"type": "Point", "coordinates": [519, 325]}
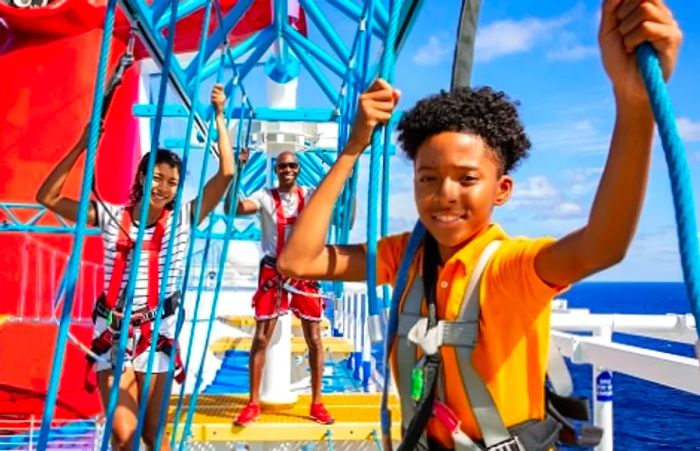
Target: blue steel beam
{"type": "Point", "coordinates": [281, 19]}
{"type": "Point", "coordinates": [260, 113]}
{"type": "Point", "coordinates": [317, 75]}
{"type": "Point", "coordinates": [240, 50]}
{"type": "Point", "coordinates": [254, 58]}
{"type": "Point", "coordinates": [217, 38]}
{"type": "Point", "coordinates": [353, 12]}
{"type": "Point", "coordinates": [140, 17]}
{"type": "Point", "coordinates": [158, 7]}
{"type": "Point", "coordinates": [326, 29]}
{"type": "Point", "coordinates": [13, 223]}
{"type": "Point", "coordinates": [183, 10]}
{"type": "Point", "coordinates": [338, 68]}
{"type": "Point", "coordinates": [32, 228]}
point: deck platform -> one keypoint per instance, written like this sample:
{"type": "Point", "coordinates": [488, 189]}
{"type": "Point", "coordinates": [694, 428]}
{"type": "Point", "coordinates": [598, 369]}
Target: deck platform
{"type": "Point", "coordinates": [356, 415]}
{"type": "Point", "coordinates": [338, 347]}
{"type": "Point", "coordinates": [248, 322]}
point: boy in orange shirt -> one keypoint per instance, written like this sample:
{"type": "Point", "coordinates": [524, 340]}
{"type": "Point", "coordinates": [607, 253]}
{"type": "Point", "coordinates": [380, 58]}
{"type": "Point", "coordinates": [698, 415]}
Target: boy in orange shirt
{"type": "Point", "coordinates": [464, 144]}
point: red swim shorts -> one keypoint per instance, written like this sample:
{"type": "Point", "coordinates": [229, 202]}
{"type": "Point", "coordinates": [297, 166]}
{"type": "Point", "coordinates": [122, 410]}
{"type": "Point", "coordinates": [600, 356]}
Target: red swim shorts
{"type": "Point", "coordinates": [272, 299]}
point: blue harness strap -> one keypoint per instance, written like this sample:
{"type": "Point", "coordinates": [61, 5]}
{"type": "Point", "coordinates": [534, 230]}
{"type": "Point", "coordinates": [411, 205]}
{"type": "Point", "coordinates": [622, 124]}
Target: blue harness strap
{"type": "Point", "coordinates": [400, 286]}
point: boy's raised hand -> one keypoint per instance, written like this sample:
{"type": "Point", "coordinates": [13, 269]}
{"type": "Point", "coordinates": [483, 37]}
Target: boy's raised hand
{"type": "Point", "coordinates": [218, 98]}
{"type": "Point", "coordinates": [375, 107]}
{"type": "Point", "coordinates": [624, 25]}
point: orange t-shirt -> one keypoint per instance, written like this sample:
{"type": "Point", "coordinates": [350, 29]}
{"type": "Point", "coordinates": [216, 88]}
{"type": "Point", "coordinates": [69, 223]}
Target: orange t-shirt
{"type": "Point", "coordinates": [512, 347]}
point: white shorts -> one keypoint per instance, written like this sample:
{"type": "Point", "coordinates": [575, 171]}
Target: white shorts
{"type": "Point", "coordinates": [140, 363]}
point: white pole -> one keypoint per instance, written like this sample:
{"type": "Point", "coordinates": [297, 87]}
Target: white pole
{"type": "Point", "coordinates": [603, 397]}
{"type": "Point", "coordinates": [277, 373]}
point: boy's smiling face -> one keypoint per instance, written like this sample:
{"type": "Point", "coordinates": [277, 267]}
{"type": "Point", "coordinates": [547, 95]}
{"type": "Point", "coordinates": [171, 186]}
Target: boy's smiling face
{"type": "Point", "coordinates": [457, 181]}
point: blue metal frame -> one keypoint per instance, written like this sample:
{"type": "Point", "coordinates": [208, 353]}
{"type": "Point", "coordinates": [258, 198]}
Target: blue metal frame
{"type": "Point", "coordinates": [341, 62]}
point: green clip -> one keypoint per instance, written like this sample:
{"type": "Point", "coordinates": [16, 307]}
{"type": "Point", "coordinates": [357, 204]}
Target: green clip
{"type": "Point", "coordinates": [417, 384]}
{"type": "Point", "coordinates": [109, 318]}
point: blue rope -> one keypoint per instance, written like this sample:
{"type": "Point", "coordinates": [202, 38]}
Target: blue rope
{"type": "Point", "coordinates": [171, 241]}
{"type": "Point", "coordinates": [329, 439]}
{"type": "Point", "coordinates": [185, 282]}
{"type": "Point", "coordinates": [375, 439]}
{"type": "Point", "coordinates": [219, 278]}
{"type": "Point", "coordinates": [186, 366]}
{"type": "Point", "coordinates": [136, 254]}
{"type": "Point", "coordinates": [400, 286]}
{"type": "Point", "coordinates": [679, 173]}
{"type": "Point", "coordinates": [81, 226]}
{"type": "Point", "coordinates": [386, 62]}
{"type": "Point", "coordinates": [386, 157]}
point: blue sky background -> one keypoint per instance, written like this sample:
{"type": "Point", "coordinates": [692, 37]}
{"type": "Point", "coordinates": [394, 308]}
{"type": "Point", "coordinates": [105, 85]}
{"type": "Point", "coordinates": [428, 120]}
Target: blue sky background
{"type": "Point", "coordinates": [545, 55]}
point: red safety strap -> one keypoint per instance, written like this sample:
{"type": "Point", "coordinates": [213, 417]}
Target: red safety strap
{"type": "Point", "coordinates": [124, 246]}
{"type": "Point", "coordinates": [282, 220]}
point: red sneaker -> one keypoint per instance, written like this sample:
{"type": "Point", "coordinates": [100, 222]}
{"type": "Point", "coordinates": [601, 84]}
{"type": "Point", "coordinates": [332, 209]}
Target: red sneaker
{"type": "Point", "coordinates": [320, 415]}
{"type": "Point", "coordinates": [250, 413]}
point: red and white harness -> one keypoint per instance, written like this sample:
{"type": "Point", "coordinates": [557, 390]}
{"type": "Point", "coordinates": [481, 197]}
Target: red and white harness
{"type": "Point", "coordinates": [273, 279]}
{"type": "Point", "coordinates": [282, 220]}
{"type": "Point", "coordinates": [107, 306]}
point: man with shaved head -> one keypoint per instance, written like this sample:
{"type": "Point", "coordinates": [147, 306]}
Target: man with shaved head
{"type": "Point", "coordinates": [278, 209]}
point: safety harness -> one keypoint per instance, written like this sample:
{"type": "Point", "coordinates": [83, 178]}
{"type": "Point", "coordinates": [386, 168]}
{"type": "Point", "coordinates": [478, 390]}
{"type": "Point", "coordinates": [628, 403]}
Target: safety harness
{"type": "Point", "coordinates": [274, 279]}
{"type": "Point", "coordinates": [420, 382]}
{"type": "Point", "coordinates": [110, 304]}
{"type": "Point", "coordinates": [284, 221]}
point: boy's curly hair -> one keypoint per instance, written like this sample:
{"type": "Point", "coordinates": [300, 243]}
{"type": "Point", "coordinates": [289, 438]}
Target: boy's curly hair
{"type": "Point", "coordinates": [487, 113]}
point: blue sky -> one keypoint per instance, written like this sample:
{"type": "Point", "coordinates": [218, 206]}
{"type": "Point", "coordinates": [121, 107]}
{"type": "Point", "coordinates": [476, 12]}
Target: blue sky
{"type": "Point", "coordinates": [545, 55]}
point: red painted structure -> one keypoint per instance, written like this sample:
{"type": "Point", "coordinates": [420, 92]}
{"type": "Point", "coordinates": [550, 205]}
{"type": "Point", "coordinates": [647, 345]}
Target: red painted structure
{"type": "Point", "coordinates": [48, 62]}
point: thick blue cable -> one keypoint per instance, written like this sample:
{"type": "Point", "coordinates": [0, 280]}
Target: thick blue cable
{"type": "Point", "coordinates": [171, 240]}
{"type": "Point", "coordinates": [219, 278]}
{"type": "Point", "coordinates": [136, 253]}
{"type": "Point", "coordinates": [185, 281]}
{"type": "Point", "coordinates": [679, 173]}
{"type": "Point", "coordinates": [386, 61]}
{"type": "Point", "coordinates": [73, 266]}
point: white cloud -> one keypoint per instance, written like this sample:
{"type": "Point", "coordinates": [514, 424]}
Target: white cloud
{"type": "Point", "coordinates": [535, 190]}
{"type": "Point", "coordinates": [432, 52]}
{"type": "Point", "coordinates": [689, 130]}
{"type": "Point", "coordinates": [582, 181]}
{"type": "Point", "coordinates": [571, 136]}
{"type": "Point", "coordinates": [572, 53]}
{"type": "Point", "coordinates": [565, 210]}
{"type": "Point", "coordinates": [506, 37]}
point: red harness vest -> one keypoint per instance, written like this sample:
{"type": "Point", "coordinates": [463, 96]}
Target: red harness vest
{"type": "Point", "coordinates": [282, 220]}
{"type": "Point", "coordinates": [125, 244]}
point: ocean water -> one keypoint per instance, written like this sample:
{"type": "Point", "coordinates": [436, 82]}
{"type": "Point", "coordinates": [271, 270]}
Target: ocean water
{"type": "Point", "coordinates": [647, 416]}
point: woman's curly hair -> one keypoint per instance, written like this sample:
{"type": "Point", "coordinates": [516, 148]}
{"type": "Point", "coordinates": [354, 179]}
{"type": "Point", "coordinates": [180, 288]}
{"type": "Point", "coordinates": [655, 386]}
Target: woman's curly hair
{"type": "Point", "coordinates": [162, 156]}
{"type": "Point", "coordinates": [484, 112]}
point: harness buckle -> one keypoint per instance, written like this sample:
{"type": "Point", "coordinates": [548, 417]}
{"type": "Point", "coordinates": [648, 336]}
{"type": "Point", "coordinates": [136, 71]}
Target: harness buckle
{"type": "Point", "coordinates": [512, 444]}
{"type": "Point", "coordinates": [429, 339]}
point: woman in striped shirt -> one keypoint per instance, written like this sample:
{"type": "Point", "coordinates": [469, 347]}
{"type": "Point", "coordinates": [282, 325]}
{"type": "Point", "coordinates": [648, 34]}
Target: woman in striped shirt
{"type": "Point", "coordinates": [119, 227]}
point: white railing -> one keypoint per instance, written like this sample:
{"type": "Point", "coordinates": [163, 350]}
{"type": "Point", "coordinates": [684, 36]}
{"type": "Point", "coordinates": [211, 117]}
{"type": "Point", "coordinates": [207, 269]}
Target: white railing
{"type": "Point", "coordinates": [350, 321]}
{"type": "Point", "coordinates": [579, 335]}
{"type": "Point", "coordinates": [42, 267]}
{"type": "Point", "coordinates": [69, 434]}
{"type": "Point", "coordinates": [606, 356]}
